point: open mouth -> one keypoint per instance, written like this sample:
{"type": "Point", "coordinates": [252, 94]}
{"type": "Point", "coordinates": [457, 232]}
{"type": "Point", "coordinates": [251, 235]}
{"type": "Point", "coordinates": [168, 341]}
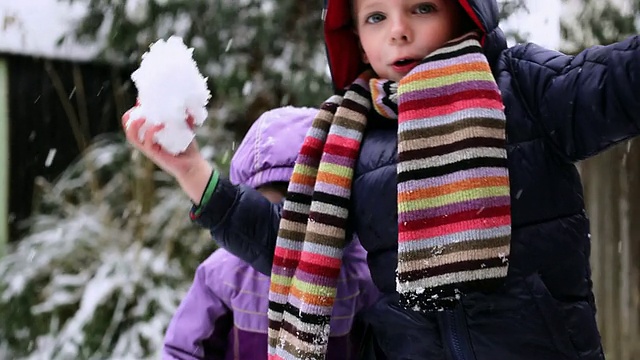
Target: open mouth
{"type": "Point", "coordinates": [404, 62]}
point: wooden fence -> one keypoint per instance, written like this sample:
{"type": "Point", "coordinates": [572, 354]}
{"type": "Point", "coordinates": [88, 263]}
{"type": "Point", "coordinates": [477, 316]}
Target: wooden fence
{"type": "Point", "coordinates": [55, 108]}
{"type": "Point", "coordinates": [612, 192]}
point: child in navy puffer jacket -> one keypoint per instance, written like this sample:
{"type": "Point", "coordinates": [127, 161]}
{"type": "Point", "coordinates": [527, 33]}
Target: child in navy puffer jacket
{"type": "Point", "coordinates": [452, 158]}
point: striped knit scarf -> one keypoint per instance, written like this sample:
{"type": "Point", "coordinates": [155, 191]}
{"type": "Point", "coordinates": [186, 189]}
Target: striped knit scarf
{"type": "Point", "coordinates": [454, 220]}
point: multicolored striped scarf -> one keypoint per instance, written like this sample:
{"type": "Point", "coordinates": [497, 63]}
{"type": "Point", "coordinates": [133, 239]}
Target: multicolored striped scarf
{"type": "Point", "coordinates": [454, 222]}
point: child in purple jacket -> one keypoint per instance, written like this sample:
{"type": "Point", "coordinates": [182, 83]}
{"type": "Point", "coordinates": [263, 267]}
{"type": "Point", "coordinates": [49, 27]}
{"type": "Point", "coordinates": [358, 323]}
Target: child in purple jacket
{"type": "Point", "coordinates": [224, 314]}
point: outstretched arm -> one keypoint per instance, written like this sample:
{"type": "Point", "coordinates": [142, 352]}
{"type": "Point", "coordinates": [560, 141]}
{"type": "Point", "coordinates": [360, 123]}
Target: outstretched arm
{"type": "Point", "coordinates": [585, 103]}
{"type": "Point", "coordinates": [242, 221]}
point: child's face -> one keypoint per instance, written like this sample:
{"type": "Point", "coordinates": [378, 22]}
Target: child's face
{"type": "Point", "coordinates": [271, 193]}
{"type": "Point", "coordinates": [396, 34]}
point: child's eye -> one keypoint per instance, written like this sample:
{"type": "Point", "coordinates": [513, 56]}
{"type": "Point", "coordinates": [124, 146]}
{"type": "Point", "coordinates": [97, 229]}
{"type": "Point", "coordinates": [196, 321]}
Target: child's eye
{"type": "Point", "coordinates": [425, 8]}
{"type": "Point", "coordinates": [374, 18]}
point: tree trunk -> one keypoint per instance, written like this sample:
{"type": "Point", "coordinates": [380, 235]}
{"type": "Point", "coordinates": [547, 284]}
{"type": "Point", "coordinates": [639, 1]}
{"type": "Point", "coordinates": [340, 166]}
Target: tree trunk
{"type": "Point", "coordinates": [612, 193]}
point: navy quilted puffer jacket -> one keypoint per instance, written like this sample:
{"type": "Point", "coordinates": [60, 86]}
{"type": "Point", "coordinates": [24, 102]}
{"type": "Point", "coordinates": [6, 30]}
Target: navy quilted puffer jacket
{"type": "Point", "coordinates": [560, 109]}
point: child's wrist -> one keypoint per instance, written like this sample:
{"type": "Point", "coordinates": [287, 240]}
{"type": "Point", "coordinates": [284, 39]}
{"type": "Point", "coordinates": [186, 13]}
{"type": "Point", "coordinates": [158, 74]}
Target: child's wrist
{"type": "Point", "coordinates": [211, 186]}
{"type": "Point", "coordinates": [194, 181]}
{"type": "Point", "coordinates": [212, 183]}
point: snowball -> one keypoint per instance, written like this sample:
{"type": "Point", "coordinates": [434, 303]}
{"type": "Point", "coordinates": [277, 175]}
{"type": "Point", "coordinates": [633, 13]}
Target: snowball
{"type": "Point", "coordinates": [170, 86]}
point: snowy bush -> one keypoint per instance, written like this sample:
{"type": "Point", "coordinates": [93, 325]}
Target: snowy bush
{"type": "Point", "coordinates": [109, 253]}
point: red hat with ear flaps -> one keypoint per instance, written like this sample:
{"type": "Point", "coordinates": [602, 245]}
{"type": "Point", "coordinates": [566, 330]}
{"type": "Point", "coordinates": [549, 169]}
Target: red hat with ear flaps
{"type": "Point", "coordinates": [343, 51]}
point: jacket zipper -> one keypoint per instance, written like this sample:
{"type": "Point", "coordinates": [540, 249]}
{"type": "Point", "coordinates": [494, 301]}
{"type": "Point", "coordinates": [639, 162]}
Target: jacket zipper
{"type": "Point", "coordinates": [455, 334]}
{"type": "Point", "coordinates": [456, 349]}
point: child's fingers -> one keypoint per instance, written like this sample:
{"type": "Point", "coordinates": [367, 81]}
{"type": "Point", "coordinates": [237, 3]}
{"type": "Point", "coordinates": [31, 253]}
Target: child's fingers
{"type": "Point", "coordinates": [132, 129]}
{"type": "Point", "coordinates": [191, 122]}
{"type": "Point", "coordinates": [125, 118]}
{"type": "Point", "coordinates": [156, 148]}
{"type": "Point", "coordinates": [127, 115]}
{"type": "Point", "coordinates": [150, 134]}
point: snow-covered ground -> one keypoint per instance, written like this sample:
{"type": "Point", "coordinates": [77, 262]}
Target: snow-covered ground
{"type": "Point", "coordinates": [34, 26]}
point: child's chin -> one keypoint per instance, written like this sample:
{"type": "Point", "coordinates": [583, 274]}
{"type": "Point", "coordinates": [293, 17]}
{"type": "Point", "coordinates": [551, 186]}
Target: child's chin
{"type": "Point", "coordinates": [396, 76]}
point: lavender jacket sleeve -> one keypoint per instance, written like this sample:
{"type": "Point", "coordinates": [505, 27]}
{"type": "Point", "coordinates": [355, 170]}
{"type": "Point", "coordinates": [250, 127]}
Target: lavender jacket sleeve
{"type": "Point", "coordinates": [243, 222]}
{"type": "Point", "coordinates": [200, 327]}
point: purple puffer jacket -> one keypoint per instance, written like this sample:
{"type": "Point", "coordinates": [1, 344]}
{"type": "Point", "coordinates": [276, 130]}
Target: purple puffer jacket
{"type": "Point", "coordinates": [224, 314]}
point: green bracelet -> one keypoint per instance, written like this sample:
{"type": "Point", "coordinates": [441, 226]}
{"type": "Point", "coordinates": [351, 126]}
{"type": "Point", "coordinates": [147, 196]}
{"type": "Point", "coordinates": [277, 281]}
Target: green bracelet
{"type": "Point", "coordinates": [208, 191]}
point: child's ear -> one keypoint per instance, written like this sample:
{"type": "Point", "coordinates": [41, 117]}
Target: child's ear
{"type": "Point", "coordinates": [365, 59]}
{"type": "Point", "coordinates": [363, 56]}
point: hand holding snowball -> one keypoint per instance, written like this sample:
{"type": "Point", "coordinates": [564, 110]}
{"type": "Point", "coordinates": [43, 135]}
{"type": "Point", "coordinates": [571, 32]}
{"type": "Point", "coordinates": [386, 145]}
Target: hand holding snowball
{"type": "Point", "coordinates": [189, 168]}
{"type": "Point", "coordinates": [169, 87]}
{"type": "Point", "coordinates": [172, 99]}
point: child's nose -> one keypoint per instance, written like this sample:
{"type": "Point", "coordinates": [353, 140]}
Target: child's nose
{"type": "Point", "coordinates": [401, 31]}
